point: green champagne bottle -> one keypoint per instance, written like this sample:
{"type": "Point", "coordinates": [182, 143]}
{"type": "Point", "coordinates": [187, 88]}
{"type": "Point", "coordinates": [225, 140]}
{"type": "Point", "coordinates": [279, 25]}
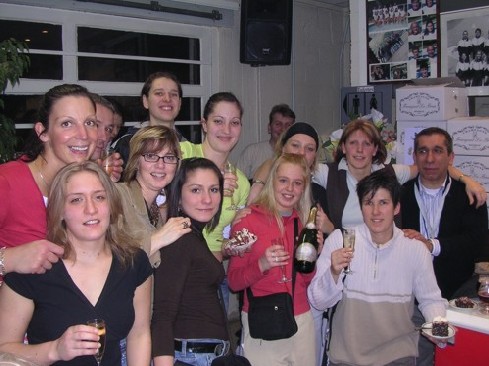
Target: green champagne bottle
{"type": "Point", "coordinates": [306, 251]}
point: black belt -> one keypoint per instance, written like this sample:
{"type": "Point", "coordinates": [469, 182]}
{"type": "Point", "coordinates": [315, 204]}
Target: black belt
{"type": "Point", "coordinates": [197, 347]}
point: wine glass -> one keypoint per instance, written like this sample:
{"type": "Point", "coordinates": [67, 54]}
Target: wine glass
{"type": "Point", "coordinates": [230, 168]}
{"type": "Point", "coordinates": [483, 294]}
{"type": "Point", "coordinates": [284, 278]}
{"type": "Point", "coordinates": [349, 243]}
{"type": "Point", "coordinates": [100, 325]}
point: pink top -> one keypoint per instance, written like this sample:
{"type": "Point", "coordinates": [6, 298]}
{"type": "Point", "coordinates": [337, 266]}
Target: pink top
{"type": "Point", "coordinates": [245, 272]}
{"type": "Point", "coordinates": [22, 209]}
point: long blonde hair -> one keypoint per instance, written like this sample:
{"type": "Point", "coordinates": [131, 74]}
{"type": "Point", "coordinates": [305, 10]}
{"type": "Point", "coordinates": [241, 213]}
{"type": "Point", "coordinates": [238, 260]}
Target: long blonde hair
{"type": "Point", "coordinates": [121, 243]}
{"type": "Point", "coordinates": [266, 198]}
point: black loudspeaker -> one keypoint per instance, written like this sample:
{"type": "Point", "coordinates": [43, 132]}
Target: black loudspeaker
{"type": "Point", "coordinates": [266, 32]}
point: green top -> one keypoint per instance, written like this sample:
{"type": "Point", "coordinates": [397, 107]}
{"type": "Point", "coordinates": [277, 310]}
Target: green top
{"type": "Point", "coordinates": [214, 238]}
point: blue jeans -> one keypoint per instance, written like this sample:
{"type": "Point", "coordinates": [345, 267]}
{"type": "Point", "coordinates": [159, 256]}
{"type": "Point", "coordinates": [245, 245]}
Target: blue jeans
{"type": "Point", "coordinates": [201, 359]}
{"type": "Point", "coordinates": [123, 346]}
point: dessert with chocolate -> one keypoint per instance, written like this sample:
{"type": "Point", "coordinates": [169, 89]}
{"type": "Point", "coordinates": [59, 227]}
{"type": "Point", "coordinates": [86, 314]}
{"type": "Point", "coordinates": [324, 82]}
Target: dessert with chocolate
{"type": "Point", "coordinates": [464, 302]}
{"type": "Point", "coordinates": [440, 327]}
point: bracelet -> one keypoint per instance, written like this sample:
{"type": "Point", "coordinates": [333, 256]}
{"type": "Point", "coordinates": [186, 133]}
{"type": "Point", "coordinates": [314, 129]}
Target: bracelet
{"type": "Point", "coordinates": [258, 181]}
{"type": "Point", "coordinates": [460, 177]}
{"type": "Point", "coordinates": [2, 261]}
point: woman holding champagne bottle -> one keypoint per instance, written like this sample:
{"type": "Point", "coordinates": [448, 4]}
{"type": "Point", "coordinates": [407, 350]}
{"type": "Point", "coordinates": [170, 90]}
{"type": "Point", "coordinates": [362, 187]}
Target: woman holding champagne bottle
{"type": "Point", "coordinates": [284, 198]}
{"type": "Point", "coordinates": [103, 274]}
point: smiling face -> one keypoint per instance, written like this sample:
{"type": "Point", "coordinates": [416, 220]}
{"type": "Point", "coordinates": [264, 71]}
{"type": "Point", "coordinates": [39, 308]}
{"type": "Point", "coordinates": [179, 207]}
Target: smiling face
{"type": "Point", "coordinates": [378, 213]}
{"type": "Point", "coordinates": [359, 151]}
{"type": "Point", "coordinates": [301, 144]}
{"type": "Point", "coordinates": [163, 102]}
{"type": "Point", "coordinates": [86, 208]}
{"type": "Point", "coordinates": [72, 132]}
{"type": "Point", "coordinates": [222, 127]}
{"type": "Point", "coordinates": [288, 186]}
{"type": "Point", "coordinates": [200, 195]}
{"type": "Point", "coordinates": [153, 177]}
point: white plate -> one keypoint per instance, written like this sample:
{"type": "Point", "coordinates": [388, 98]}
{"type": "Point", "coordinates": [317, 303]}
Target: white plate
{"type": "Point", "coordinates": [426, 329]}
{"type": "Point", "coordinates": [453, 305]}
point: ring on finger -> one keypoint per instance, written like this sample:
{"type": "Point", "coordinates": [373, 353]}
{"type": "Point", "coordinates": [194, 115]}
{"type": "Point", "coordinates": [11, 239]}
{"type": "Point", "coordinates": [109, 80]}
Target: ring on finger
{"type": "Point", "coordinates": [185, 225]}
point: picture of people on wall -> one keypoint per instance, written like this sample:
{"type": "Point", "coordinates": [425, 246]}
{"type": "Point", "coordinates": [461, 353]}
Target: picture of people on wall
{"type": "Point", "coordinates": [400, 35]}
{"type": "Point", "coordinates": [466, 49]}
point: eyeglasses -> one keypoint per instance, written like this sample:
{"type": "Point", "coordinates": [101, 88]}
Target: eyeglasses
{"type": "Point", "coordinates": [167, 159]}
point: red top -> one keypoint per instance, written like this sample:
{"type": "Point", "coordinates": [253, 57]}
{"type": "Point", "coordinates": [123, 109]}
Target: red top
{"type": "Point", "coordinates": [244, 272]}
{"type": "Point", "coordinates": [22, 209]}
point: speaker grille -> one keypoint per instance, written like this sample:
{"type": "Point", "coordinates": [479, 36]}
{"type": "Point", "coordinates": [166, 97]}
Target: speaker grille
{"type": "Point", "coordinates": [266, 32]}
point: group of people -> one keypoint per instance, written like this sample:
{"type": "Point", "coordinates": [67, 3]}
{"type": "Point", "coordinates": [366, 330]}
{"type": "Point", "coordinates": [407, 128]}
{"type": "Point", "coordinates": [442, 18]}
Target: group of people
{"type": "Point", "coordinates": [473, 55]}
{"type": "Point", "coordinates": [146, 254]}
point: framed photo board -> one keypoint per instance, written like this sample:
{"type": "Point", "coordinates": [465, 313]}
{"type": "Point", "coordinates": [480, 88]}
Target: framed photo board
{"type": "Point", "coordinates": [465, 48]}
{"type": "Point", "coordinates": [402, 40]}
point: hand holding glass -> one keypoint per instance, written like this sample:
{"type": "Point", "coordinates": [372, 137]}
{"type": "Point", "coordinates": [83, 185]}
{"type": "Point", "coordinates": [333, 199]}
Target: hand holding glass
{"type": "Point", "coordinates": [349, 243]}
{"type": "Point", "coordinates": [283, 279]}
{"type": "Point", "coordinates": [106, 159]}
{"type": "Point", "coordinates": [230, 168]}
{"type": "Point", "coordinates": [100, 325]}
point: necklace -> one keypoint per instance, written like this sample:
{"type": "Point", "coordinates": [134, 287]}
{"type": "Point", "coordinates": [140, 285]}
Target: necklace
{"type": "Point", "coordinates": [42, 176]}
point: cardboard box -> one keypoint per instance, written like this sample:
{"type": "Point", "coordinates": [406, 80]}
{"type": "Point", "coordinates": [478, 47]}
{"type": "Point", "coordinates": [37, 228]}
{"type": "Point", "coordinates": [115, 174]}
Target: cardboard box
{"type": "Point", "coordinates": [406, 131]}
{"type": "Point", "coordinates": [431, 102]}
{"type": "Point", "coordinates": [470, 135]}
{"type": "Point", "coordinates": [476, 167]}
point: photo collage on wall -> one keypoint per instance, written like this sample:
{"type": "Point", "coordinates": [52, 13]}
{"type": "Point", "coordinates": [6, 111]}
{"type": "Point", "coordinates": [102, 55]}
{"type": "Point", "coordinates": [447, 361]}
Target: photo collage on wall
{"type": "Point", "coordinates": [402, 40]}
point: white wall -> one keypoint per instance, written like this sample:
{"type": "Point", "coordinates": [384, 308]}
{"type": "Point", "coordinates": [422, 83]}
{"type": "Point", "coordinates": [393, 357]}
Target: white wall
{"type": "Point", "coordinates": [310, 85]}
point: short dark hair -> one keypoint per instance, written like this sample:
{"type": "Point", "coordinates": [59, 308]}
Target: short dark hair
{"type": "Point", "coordinates": [382, 178]}
{"type": "Point", "coordinates": [175, 194]}
{"type": "Point", "coordinates": [430, 131]}
{"type": "Point", "coordinates": [282, 109]}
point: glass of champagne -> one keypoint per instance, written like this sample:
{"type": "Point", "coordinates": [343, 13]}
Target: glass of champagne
{"type": "Point", "coordinates": [100, 325]}
{"type": "Point", "coordinates": [230, 168]}
{"type": "Point", "coordinates": [106, 159]}
{"type": "Point", "coordinates": [284, 278]}
{"type": "Point", "coordinates": [349, 243]}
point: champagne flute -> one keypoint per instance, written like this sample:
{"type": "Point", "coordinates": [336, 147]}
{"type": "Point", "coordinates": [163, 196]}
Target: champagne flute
{"type": "Point", "coordinates": [349, 243]}
{"type": "Point", "coordinates": [230, 168]}
{"type": "Point", "coordinates": [100, 325]}
{"type": "Point", "coordinates": [283, 279]}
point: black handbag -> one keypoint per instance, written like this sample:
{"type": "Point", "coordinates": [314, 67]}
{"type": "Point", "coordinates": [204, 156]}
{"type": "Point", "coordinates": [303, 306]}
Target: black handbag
{"type": "Point", "coordinates": [271, 317]}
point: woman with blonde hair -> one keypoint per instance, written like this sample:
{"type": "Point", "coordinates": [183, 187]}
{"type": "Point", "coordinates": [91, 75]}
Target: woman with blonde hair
{"type": "Point", "coordinates": [283, 201]}
{"type": "Point", "coordinates": [102, 275]}
{"type": "Point", "coordinates": [153, 160]}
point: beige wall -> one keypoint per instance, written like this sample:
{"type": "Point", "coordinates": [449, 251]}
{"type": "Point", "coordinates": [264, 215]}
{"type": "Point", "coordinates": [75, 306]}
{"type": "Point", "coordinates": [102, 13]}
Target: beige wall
{"type": "Point", "coordinates": [310, 84]}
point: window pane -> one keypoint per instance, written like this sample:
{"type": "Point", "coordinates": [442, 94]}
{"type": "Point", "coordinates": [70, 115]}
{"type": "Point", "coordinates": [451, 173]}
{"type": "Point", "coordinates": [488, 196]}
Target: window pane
{"type": "Point", "coordinates": [41, 36]}
{"type": "Point", "coordinates": [105, 69]}
{"type": "Point", "coordinates": [137, 44]}
{"type": "Point", "coordinates": [45, 67]}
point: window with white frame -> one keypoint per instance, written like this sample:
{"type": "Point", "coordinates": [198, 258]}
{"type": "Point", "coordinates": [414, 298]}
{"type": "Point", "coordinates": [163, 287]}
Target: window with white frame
{"type": "Point", "coordinates": [110, 55]}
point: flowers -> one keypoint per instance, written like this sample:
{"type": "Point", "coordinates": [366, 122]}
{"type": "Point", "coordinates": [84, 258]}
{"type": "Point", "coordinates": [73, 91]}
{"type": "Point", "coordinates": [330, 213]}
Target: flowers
{"type": "Point", "coordinates": [386, 130]}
